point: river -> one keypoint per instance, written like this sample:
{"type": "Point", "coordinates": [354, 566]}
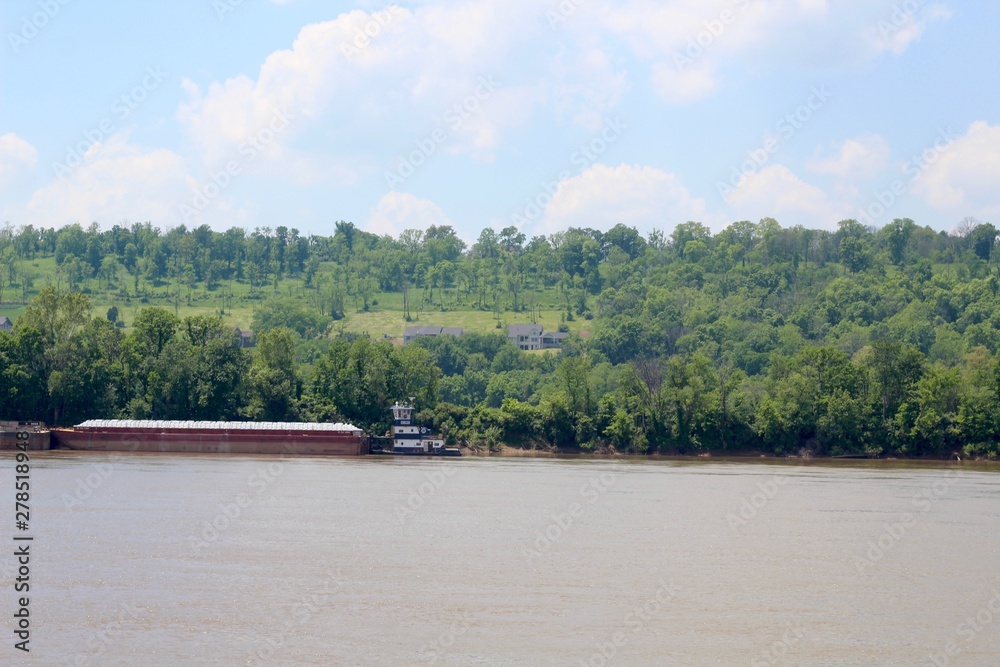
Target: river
{"type": "Point", "coordinates": [211, 560]}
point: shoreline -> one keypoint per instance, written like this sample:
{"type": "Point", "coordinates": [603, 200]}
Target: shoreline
{"type": "Point", "coordinates": [716, 456]}
{"type": "Point", "coordinates": [517, 453]}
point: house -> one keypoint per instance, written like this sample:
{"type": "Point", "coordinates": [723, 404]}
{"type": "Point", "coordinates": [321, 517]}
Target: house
{"type": "Point", "coordinates": [247, 339]}
{"type": "Point", "coordinates": [412, 333]}
{"type": "Point", "coordinates": [553, 339]}
{"type": "Point", "coordinates": [5, 324]}
{"type": "Point", "coordinates": [525, 336]}
{"type": "Point", "coordinates": [534, 337]}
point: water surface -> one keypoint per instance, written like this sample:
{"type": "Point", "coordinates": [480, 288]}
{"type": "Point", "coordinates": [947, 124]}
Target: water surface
{"type": "Point", "coordinates": [226, 560]}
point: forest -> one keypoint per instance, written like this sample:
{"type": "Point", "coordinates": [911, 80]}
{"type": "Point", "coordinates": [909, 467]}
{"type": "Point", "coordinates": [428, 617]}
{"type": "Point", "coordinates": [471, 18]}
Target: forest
{"type": "Point", "coordinates": [754, 339]}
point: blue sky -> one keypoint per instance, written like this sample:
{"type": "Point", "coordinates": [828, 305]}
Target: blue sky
{"type": "Point", "coordinates": [540, 113]}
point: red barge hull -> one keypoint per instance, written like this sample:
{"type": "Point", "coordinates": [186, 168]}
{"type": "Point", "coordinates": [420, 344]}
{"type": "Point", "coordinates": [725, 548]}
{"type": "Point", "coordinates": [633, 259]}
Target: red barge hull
{"type": "Point", "coordinates": [212, 441]}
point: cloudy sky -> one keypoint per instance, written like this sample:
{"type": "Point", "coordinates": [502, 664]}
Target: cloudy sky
{"type": "Point", "coordinates": [539, 113]}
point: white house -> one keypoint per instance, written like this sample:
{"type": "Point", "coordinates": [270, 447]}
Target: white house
{"type": "Point", "coordinates": [526, 336]}
{"type": "Point", "coordinates": [5, 324]}
{"type": "Point", "coordinates": [534, 337]}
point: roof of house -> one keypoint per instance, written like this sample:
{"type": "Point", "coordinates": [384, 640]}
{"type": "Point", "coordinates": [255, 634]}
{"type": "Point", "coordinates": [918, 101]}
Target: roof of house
{"type": "Point", "coordinates": [557, 335]}
{"type": "Point", "coordinates": [5, 322]}
{"type": "Point", "coordinates": [422, 331]}
{"type": "Point", "coordinates": [524, 329]}
{"type": "Point", "coordinates": [431, 331]}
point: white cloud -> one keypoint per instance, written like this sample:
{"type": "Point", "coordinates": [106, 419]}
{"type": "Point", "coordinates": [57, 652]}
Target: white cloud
{"type": "Point", "coordinates": [687, 41]}
{"type": "Point", "coordinates": [895, 32]}
{"type": "Point", "coordinates": [116, 181]}
{"type": "Point", "coordinates": [962, 178]}
{"type": "Point", "coordinates": [604, 196]}
{"type": "Point", "coordinates": [778, 193]}
{"type": "Point", "coordinates": [390, 70]}
{"type": "Point", "coordinates": [680, 87]}
{"type": "Point", "coordinates": [856, 158]}
{"type": "Point", "coordinates": [398, 211]}
{"type": "Point", "coordinates": [689, 44]}
{"type": "Point", "coordinates": [16, 155]}
{"type": "Point", "coordinates": [587, 86]}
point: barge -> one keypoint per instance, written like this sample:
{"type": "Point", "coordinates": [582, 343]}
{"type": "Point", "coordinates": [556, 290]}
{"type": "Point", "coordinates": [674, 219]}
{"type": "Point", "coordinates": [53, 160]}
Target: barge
{"type": "Point", "coordinates": [205, 437]}
{"type": "Point", "coordinates": [32, 434]}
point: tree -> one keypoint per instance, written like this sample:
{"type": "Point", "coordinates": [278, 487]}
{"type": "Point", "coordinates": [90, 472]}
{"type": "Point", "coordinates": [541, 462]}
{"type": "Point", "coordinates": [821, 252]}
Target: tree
{"type": "Point", "coordinates": [627, 239]}
{"type": "Point", "coordinates": [85, 381]}
{"type": "Point", "coordinates": [896, 368]}
{"type": "Point", "coordinates": [277, 313]}
{"type": "Point", "coordinates": [897, 235]}
{"type": "Point", "coordinates": [855, 253]}
{"type": "Point", "coordinates": [983, 237]}
{"type": "Point", "coordinates": [152, 330]}
{"type": "Point", "coordinates": [56, 316]}
{"type": "Point", "coordinates": [274, 386]}
{"type": "Point", "coordinates": [23, 374]}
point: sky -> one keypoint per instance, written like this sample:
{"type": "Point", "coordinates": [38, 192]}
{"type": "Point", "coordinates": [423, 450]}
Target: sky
{"type": "Point", "coordinates": [543, 114]}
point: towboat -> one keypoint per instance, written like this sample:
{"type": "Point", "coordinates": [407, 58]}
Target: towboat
{"type": "Point", "coordinates": [410, 439]}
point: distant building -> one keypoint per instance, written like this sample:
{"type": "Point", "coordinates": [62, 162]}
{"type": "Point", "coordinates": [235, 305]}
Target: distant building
{"type": "Point", "coordinates": [534, 337]}
{"type": "Point", "coordinates": [526, 336]}
{"type": "Point", "coordinates": [247, 339]}
{"type": "Point", "coordinates": [5, 324]}
{"type": "Point", "coordinates": [553, 339]}
{"type": "Point", "coordinates": [412, 333]}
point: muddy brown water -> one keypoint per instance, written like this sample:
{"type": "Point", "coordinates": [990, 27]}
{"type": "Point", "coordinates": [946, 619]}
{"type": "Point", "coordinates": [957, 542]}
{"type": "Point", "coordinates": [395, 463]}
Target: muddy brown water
{"type": "Point", "coordinates": [226, 560]}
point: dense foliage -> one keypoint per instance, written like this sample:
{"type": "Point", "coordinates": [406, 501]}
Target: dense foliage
{"type": "Point", "coordinates": [757, 338]}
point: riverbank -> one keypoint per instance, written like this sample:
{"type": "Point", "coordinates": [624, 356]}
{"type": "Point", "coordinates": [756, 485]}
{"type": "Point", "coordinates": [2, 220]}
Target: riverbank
{"type": "Point", "coordinates": [506, 451]}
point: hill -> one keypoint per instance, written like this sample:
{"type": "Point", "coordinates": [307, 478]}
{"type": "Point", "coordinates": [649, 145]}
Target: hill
{"type": "Point", "coordinates": [757, 338]}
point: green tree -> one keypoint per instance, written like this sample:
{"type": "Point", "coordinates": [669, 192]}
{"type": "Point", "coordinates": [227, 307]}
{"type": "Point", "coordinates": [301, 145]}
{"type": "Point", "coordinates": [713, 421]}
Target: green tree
{"type": "Point", "coordinates": [274, 386]}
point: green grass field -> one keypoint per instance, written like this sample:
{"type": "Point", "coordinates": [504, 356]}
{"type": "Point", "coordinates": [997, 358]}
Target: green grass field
{"type": "Point", "coordinates": [238, 303]}
{"type": "Point", "coordinates": [391, 323]}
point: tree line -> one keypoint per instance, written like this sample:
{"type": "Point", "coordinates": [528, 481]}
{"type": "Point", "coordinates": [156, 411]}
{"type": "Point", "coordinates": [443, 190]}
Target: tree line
{"type": "Point", "coordinates": [755, 338]}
